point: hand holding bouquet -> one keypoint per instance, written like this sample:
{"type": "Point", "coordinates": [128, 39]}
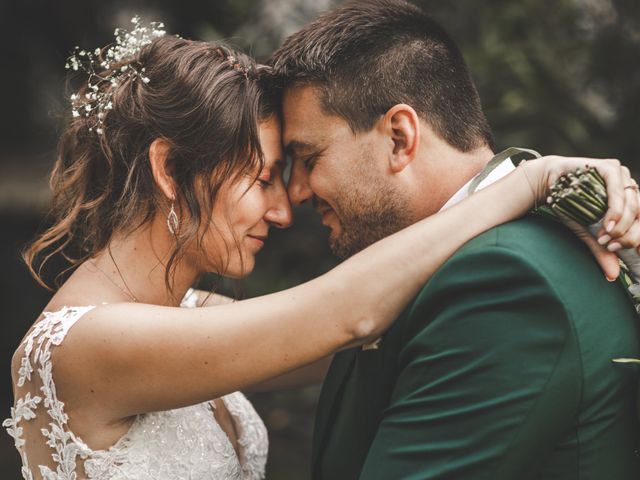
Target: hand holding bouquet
{"type": "Point", "coordinates": [581, 196]}
{"type": "Point", "coordinates": [603, 200]}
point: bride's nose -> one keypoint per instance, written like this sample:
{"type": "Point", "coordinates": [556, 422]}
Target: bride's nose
{"type": "Point", "coordinates": [279, 212]}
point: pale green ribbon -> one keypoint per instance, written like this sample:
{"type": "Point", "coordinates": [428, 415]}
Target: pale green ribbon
{"type": "Point", "coordinates": [516, 154]}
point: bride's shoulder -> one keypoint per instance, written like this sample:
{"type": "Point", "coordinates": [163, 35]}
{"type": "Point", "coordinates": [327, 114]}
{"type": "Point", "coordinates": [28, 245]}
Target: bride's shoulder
{"type": "Point", "coordinates": [55, 336]}
{"type": "Point", "coordinates": [44, 344]}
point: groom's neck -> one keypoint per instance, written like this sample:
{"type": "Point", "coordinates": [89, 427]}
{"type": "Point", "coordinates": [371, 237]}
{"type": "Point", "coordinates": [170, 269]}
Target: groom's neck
{"type": "Point", "coordinates": [465, 166]}
{"type": "Point", "coordinates": [449, 170]}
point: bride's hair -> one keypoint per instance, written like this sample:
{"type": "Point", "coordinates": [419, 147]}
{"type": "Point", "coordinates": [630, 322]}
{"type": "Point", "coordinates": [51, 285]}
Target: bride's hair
{"type": "Point", "coordinates": [204, 99]}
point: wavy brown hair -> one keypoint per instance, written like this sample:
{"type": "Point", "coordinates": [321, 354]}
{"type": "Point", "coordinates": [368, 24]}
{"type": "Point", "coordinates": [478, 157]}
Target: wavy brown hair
{"type": "Point", "coordinates": [206, 100]}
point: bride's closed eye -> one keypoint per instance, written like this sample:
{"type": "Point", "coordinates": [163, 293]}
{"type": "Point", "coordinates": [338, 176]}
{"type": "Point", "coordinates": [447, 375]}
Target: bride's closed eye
{"type": "Point", "coordinates": [265, 182]}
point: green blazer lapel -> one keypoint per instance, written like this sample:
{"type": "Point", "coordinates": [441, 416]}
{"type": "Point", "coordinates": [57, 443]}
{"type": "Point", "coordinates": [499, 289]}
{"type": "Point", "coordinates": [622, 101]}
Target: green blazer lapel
{"type": "Point", "coordinates": [339, 371]}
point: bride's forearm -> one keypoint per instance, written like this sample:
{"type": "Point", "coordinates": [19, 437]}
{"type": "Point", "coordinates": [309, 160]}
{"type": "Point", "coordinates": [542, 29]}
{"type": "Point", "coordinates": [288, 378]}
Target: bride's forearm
{"type": "Point", "coordinates": [306, 376]}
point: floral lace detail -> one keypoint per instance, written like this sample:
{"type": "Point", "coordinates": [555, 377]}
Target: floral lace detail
{"type": "Point", "coordinates": [168, 445]}
{"type": "Point", "coordinates": [253, 440]}
{"type": "Point", "coordinates": [51, 330]}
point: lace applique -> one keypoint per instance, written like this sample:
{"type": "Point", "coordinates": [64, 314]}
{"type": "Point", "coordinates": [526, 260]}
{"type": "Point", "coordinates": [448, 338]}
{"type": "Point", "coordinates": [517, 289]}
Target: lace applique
{"type": "Point", "coordinates": [253, 440]}
{"type": "Point", "coordinates": [169, 445]}
{"type": "Point", "coordinates": [49, 331]}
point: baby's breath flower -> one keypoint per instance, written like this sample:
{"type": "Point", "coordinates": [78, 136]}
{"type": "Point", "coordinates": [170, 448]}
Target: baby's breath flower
{"type": "Point", "coordinates": [103, 73]}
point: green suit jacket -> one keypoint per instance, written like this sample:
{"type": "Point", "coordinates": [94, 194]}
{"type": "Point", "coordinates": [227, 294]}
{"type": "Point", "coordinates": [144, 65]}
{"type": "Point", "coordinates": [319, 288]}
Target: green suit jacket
{"type": "Point", "coordinates": [500, 368]}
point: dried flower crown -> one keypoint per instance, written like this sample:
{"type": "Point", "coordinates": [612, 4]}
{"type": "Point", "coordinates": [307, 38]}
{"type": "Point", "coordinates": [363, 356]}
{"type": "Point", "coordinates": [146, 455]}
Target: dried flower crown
{"type": "Point", "coordinates": [107, 68]}
{"type": "Point", "coordinates": [236, 65]}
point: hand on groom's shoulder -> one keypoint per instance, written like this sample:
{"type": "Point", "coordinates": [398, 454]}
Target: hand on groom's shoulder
{"type": "Point", "coordinates": [505, 366]}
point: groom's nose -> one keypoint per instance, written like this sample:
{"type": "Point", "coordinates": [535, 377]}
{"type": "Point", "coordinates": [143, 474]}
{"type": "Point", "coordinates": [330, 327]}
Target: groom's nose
{"type": "Point", "coordinates": [298, 188]}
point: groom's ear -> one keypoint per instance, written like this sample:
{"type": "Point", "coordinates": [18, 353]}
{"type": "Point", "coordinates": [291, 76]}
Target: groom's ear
{"type": "Point", "coordinates": [158, 158]}
{"type": "Point", "coordinates": [402, 125]}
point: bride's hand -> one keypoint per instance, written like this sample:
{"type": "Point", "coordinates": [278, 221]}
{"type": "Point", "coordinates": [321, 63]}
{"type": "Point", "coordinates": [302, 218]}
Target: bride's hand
{"type": "Point", "coordinates": [621, 223]}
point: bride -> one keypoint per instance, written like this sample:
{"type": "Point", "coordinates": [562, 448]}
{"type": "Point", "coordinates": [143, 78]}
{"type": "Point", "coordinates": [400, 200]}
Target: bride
{"type": "Point", "coordinates": [170, 167]}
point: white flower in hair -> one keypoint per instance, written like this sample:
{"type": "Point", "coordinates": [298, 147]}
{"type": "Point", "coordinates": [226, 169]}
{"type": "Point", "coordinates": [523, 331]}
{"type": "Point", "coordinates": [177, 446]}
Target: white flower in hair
{"type": "Point", "coordinates": [110, 67]}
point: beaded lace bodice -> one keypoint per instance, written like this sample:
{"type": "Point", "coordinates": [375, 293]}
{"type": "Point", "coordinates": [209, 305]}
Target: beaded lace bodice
{"type": "Point", "coordinates": [185, 443]}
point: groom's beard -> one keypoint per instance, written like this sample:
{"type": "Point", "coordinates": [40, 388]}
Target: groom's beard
{"type": "Point", "coordinates": [366, 216]}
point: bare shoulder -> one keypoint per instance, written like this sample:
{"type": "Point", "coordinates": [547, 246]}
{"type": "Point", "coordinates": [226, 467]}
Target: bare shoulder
{"type": "Point", "coordinates": [52, 344]}
{"type": "Point", "coordinates": [92, 337]}
{"type": "Point", "coordinates": [83, 361]}
{"type": "Point", "coordinates": [115, 338]}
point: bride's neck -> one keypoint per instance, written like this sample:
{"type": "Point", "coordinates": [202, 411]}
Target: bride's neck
{"type": "Point", "coordinates": [136, 263]}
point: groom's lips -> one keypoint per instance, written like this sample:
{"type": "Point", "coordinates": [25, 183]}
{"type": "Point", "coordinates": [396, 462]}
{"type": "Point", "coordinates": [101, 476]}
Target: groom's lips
{"type": "Point", "coordinates": [326, 215]}
{"type": "Point", "coordinates": [324, 210]}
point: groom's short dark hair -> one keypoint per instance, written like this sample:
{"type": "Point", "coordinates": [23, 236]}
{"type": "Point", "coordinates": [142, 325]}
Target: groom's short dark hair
{"type": "Point", "coordinates": [367, 56]}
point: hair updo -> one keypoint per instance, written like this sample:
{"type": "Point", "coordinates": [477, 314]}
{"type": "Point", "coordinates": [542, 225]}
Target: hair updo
{"type": "Point", "coordinates": [205, 100]}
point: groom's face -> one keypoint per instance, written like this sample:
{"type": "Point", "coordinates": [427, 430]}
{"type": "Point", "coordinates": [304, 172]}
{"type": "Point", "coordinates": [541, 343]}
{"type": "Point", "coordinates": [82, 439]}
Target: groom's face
{"type": "Point", "coordinates": [343, 174]}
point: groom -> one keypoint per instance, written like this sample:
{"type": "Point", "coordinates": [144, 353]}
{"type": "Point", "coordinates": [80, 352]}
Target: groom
{"type": "Point", "coordinates": [501, 367]}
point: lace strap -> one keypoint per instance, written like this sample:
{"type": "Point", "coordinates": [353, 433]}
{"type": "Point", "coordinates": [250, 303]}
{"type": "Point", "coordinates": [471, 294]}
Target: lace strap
{"type": "Point", "coordinates": [50, 330]}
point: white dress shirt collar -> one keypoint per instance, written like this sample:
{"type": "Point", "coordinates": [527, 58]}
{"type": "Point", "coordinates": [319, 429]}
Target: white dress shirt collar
{"type": "Point", "coordinates": [502, 170]}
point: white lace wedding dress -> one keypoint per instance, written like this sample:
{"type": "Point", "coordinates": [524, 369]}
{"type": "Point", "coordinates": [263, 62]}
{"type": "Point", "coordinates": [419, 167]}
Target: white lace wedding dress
{"type": "Point", "coordinates": [186, 443]}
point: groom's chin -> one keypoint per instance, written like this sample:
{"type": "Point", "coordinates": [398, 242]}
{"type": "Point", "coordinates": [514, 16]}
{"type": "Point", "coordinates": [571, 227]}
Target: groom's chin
{"type": "Point", "coordinates": [345, 245]}
{"type": "Point", "coordinates": [354, 237]}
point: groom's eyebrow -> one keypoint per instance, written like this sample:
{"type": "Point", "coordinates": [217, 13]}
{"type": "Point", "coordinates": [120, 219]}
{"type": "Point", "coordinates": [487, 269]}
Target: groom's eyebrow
{"type": "Point", "coordinates": [295, 147]}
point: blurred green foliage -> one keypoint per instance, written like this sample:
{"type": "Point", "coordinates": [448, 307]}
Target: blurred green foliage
{"type": "Point", "coordinates": [560, 76]}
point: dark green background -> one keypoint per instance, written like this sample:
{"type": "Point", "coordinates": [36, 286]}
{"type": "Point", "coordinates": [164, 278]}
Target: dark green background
{"type": "Point", "coordinates": [559, 76]}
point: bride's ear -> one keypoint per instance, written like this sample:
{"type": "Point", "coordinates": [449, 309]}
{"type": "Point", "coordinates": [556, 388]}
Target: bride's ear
{"type": "Point", "coordinates": [402, 126]}
{"type": "Point", "coordinates": [158, 156]}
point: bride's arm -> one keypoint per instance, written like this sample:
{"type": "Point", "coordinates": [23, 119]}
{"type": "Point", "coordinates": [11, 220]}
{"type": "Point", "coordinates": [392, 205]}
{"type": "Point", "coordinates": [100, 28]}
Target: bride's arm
{"type": "Point", "coordinates": [308, 375]}
{"type": "Point", "coordinates": [312, 374]}
{"type": "Point", "coordinates": [138, 358]}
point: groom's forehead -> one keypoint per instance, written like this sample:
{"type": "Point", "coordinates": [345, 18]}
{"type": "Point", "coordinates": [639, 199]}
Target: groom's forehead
{"type": "Point", "coordinates": [306, 125]}
{"type": "Point", "coordinates": [303, 110]}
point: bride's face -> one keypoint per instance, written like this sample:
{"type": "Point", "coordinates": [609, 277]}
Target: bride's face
{"type": "Point", "coordinates": [245, 210]}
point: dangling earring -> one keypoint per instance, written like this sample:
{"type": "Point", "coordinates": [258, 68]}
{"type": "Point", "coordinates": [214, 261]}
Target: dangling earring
{"type": "Point", "coordinates": [173, 223]}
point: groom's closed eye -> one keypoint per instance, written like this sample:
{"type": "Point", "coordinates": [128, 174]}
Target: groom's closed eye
{"type": "Point", "coordinates": [310, 161]}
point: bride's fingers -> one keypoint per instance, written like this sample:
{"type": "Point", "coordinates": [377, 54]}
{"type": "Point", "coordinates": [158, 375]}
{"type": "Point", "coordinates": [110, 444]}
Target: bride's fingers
{"type": "Point", "coordinates": [629, 214]}
{"type": "Point", "coordinates": [631, 238]}
{"type": "Point", "coordinates": [616, 177]}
